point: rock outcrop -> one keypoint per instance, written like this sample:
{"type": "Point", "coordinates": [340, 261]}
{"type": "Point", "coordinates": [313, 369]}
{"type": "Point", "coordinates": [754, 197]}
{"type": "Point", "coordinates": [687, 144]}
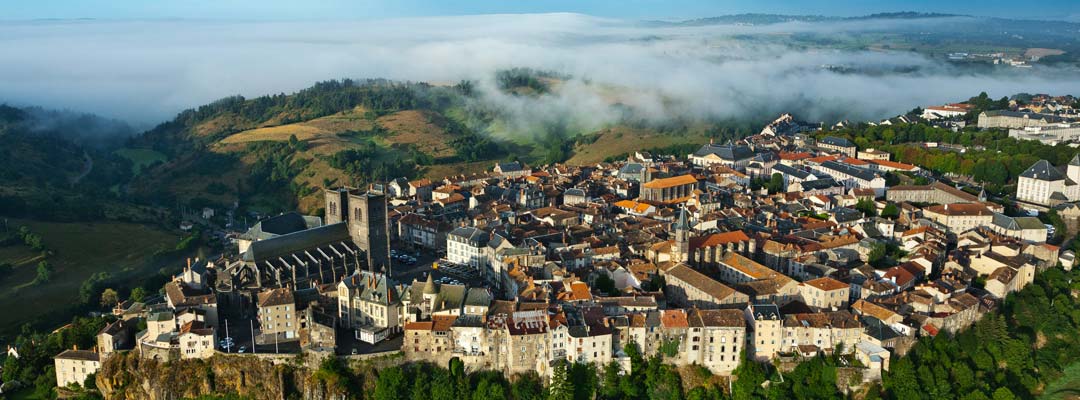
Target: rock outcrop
{"type": "Point", "coordinates": [127, 376]}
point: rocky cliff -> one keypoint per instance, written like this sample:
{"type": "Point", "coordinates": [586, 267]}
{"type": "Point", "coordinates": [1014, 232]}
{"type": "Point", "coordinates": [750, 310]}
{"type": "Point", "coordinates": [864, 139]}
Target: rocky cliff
{"type": "Point", "coordinates": [126, 376]}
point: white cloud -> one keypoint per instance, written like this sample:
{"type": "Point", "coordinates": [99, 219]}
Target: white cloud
{"type": "Point", "coordinates": [146, 71]}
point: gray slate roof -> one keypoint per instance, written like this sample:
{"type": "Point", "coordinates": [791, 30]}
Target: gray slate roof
{"type": "Point", "coordinates": [726, 152]}
{"type": "Point", "coordinates": [1043, 171]}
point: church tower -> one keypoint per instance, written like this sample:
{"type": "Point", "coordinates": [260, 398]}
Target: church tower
{"type": "Point", "coordinates": [680, 251]}
{"type": "Point", "coordinates": [1073, 172]}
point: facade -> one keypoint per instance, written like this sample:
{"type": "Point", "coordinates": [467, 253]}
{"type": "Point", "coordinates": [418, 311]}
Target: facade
{"type": "Point", "coordinates": [371, 304]}
{"type": "Point", "coordinates": [853, 177]}
{"type": "Point", "coordinates": [465, 246]}
{"type": "Point", "coordinates": [196, 340]}
{"type": "Point", "coordinates": [277, 315]}
{"type": "Point", "coordinates": [825, 293]}
{"type": "Point", "coordinates": [766, 330]}
{"type": "Point", "coordinates": [840, 145]}
{"type": "Point", "coordinates": [1016, 119]}
{"type": "Point", "coordinates": [960, 217]}
{"type": "Point", "coordinates": [74, 366]}
{"type": "Point", "coordinates": [1044, 185]}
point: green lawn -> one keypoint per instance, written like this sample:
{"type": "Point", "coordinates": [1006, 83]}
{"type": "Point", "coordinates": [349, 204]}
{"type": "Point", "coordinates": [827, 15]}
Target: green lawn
{"type": "Point", "coordinates": [80, 249]}
{"type": "Point", "coordinates": [140, 157]}
{"type": "Point", "coordinates": [1066, 387]}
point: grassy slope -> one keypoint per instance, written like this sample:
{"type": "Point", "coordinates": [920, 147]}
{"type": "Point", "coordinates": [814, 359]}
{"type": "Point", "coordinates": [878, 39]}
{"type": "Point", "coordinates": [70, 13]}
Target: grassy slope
{"type": "Point", "coordinates": [620, 139]}
{"type": "Point", "coordinates": [81, 249]}
{"type": "Point", "coordinates": [419, 128]}
{"type": "Point", "coordinates": [1067, 387]}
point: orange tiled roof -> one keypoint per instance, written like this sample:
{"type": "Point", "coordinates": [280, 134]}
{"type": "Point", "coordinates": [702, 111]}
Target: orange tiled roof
{"type": "Point", "coordinates": [826, 284]}
{"type": "Point", "coordinates": [670, 182]}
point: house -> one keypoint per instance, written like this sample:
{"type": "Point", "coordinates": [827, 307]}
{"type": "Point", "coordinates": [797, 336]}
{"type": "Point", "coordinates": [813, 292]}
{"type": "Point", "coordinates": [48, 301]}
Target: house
{"type": "Point", "coordinates": [689, 287]}
{"type": "Point", "coordinates": [732, 156]}
{"type": "Point", "coordinates": [371, 303]}
{"type": "Point", "coordinates": [511, 169]}
{"type": "Point", "coordinates": [74, 366]}
{"type": "Point", "coordinates": [277, 315]}
{"type": "Point", "coordinates": [1044, 185]}
{"type": "Point", "coordinates": [825, 293]}
{"type": "Point", "coordinates": [873, 154]}
{"type": "Point", "coordinates": [465, 246]}
{"type": "Point", "coordinates": [960, 217]}
{"type": "Point", "coordinates": [714, 339]}
{"type": "Point", "coordinates": [117, 335]}
{"type": "Point", "coordinates": [196, 340]}
{"type": "Point", "coordinates": [853, 177]}
{"type": "Point", "coordinates": [766, 330]}
{"type": "Point", "coordinates": [835, 144]}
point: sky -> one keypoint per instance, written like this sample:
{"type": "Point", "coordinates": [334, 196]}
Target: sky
{"type": "Point", "coordinates": [145, 71]}
{"type": "Point", "coordinates": [636, 9]}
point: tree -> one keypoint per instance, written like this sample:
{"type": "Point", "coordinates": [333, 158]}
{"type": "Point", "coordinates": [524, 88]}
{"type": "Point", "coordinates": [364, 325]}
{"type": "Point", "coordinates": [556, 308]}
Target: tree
{"type": "Point", "coordinates": [109, 297]}
{"type": "Point", "coordinates": [561, 388]}
{"type": "Point", "coordinates": [527, 387]}
{"type": "Point", "coordinates": [867, 207]}
{"type": "Point", "coordinates": [776, 183]}
{"type": "Point", "coordinates": [605, 285]}
{"type": "Point", "coordinates": [44, 273]}
{"type": "Point", "coordinates": [391, 384]}
{"type": "Point", "coordinates": [877, 253]}
{"type": "Point", "coordinates": [138, 294]}
{"type": "Point", "coordinates": [891, 211]}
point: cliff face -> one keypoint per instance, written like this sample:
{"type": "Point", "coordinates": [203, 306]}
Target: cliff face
{"type": "Point", "coordinates": [129, 377]}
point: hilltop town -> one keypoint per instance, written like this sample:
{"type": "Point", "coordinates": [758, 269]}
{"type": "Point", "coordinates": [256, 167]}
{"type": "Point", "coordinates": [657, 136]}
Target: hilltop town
{"type": "Point", "coordinates": [775, 248]}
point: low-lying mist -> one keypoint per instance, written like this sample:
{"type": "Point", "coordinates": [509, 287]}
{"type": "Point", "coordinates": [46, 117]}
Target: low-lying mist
{"type": "Point", "coordinates": [146, 71]}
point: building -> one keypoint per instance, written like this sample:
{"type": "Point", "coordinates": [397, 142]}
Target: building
{"type": "Point", "coordinates": [422, 232]}
{"type": "Point", "coordinates": [365, 214]}
{"type": "Point", "coordinates": [825, 293]}
{"type": "Point", "coordinates": [688, 287]}
{"type": "Point", "coordinates": [371, 303]}
{"type": "Point", "coordinates": [835, 144]}
{"type": "Point", "coordinates": [731, 156]}
{"type": "Point", "coordinates": [668, 190]}
{"type": "Point", "coordinates": [714, 339]}
{"type": "Point", "coordinates": [1016, 119]}
{"type": "Point", "coordinates": [873, 154]}
{"type": "Point", "coordinates": [766, 330]}
{"type": "Point", "coordinates": [960, 217]}
{"type": "Point", "coordinates": [946, 111]}
{"type": "Point", "coordinates": [465, 246]}
{"type": "Point", "coordinates": [853, 177]}
{"type": "Point", "coordinates": [196, 340]}
{"type": "Point", "coordinates": [936, 193]}
{"type": "Point", "coordinates": [1028, 229]}
{"type": "Point", "coordinates": [1044, 185]}
{"type": "Point", "coordinates": [74, 366]}
{"type": "Point", "coordinates": [278, 318]}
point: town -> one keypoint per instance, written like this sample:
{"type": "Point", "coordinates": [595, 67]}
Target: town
{"type": "Point", "coordinates": [777, 248]}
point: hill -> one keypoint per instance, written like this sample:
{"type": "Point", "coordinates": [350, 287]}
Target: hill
{"type": "Point", "coordinates": [273, 153]}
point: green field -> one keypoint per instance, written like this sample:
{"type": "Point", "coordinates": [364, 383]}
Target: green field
{"type": "Point", "coordinates": [1067, 387]}
{"type": "Point", "coordinates": [80, 250]}
{"type": "Point", "coordinates": [140, 157]}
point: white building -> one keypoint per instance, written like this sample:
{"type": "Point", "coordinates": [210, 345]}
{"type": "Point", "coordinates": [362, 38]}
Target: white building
{"type": "Point", "coordinates": [1045, 185]}
{"type": "Point", "coordinates": [73, 366]}
{"type": "Point", "coordinates": [465, 246]}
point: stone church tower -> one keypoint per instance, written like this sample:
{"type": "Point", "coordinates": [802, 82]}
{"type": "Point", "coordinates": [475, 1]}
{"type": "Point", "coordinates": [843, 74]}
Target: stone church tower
{"type": "Point", "coordinates": [365, 213]}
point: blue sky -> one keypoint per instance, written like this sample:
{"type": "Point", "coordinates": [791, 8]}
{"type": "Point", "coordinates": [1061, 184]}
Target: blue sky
{"type": "Point", "coordinates": [632, 9]}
